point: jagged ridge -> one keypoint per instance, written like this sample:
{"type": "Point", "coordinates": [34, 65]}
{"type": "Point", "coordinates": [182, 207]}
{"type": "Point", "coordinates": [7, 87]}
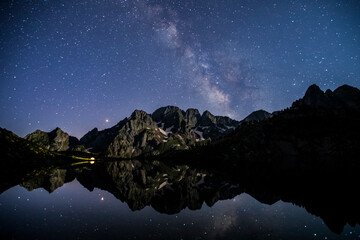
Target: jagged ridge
{"type": "Point", "coordinates": [166, 129]}
{"type": "Point", "coordinates": [344, 97]}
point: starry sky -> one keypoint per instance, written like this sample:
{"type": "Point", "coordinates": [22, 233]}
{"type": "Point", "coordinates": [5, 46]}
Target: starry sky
{"type": "Point", "coordinates": [80, 64]}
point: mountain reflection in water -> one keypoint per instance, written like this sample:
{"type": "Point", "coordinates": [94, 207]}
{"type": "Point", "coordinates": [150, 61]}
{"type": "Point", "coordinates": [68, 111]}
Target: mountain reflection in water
{"type": "Point", "coordinates": [172, 191]}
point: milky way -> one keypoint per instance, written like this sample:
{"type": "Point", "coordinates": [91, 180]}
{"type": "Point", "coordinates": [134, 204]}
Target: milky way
{"type": "Point", "coordinates": [85, 64]}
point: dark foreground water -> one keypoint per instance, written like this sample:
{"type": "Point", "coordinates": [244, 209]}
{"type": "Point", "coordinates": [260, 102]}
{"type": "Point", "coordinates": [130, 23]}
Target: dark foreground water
{"type": "Point", "coordinates": [149, 204]}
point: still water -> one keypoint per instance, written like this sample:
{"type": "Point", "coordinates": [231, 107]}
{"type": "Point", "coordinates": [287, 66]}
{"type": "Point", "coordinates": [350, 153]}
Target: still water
{"type": "Point", "coordinates": [136, 204]}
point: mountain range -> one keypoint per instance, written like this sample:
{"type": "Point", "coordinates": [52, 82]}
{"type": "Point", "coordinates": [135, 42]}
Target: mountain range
{"type": "Point", "coordinates": [168, 128]}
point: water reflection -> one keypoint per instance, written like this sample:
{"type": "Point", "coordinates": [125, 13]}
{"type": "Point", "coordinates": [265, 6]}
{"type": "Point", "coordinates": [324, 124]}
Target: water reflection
{"type": "Point", "coordinates": [176, 189]}
{"type": "Point", "coordinates": [168, 189]}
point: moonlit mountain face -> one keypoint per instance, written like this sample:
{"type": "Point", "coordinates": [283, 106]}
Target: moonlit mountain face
{"type": "Point", "coordinates": [80, 64]}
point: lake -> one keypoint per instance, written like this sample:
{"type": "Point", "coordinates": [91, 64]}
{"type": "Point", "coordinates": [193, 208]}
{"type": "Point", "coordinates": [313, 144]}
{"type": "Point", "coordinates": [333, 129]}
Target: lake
{"type": "Point", "coordinates": [134, 200]}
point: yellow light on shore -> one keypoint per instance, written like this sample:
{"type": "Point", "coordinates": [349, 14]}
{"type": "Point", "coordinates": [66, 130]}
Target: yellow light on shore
{"type": "Point", "coordinates": [92, 159]}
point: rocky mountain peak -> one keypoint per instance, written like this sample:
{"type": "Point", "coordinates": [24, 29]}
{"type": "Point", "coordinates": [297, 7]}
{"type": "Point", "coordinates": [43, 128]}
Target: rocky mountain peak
{"type": "Point", "coordinates": [58, 133]}
{"type": "Point", "coordinates": [139, 120]}
{"type": "Point", "coordinates": [139, 114]}
{"type": "Point", "coordinates": [57, 129]}
{"type": "Point", "coordinates": [207, 119]}
{"type": "Point", "coordinates": [314, 96]}
{"type": "Point", "coordinates": [192, 117]}
{"type": "Point", "coordinates": [192, 111]}
{"type": "Point", "coordinates": [172, 109]}
{"type": "Point", "coordinates": [90, 135]}
{"type": "Point", "coordinates": [167, 111]}
{"type": "Point", "coordinates": [328, 92]}
{"type": "Point", "coordinates": [56, 140]}
{"type": "Point", "coordinates": [38, 137]}
{"type": "Point", "coordinates": [94, 130]}
{"type": "Point", "coordinates": [347, 90]}
{"type": "Point", "coordinates": [313, 89]}
{"type": "Point", "coordinates": [257, 116]}
{"type": "Point", "coordinates": [350, 96]}
{"type": "Point", "coordinates": [171, 116]}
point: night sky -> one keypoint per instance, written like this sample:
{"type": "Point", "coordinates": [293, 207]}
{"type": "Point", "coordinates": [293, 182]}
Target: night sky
{"type": "Point", "coordinates": [85, 64]}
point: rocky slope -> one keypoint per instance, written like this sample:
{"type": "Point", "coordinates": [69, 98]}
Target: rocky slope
{"type": "Point", "coordinates": [56, 140]}
{"type": "Point", "coordinates": [168, 128]}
